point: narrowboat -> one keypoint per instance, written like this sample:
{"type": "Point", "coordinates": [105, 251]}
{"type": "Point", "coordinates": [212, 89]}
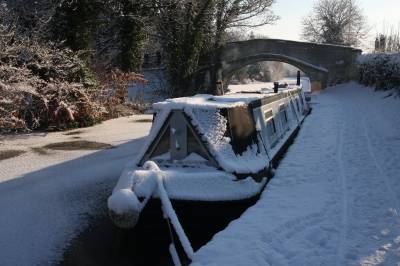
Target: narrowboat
{"type": "Point", "coordinates": [207, 158]}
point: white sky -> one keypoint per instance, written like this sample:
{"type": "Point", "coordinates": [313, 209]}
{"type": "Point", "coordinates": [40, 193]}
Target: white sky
{"type": "Point", "coordinates": [380, 14]}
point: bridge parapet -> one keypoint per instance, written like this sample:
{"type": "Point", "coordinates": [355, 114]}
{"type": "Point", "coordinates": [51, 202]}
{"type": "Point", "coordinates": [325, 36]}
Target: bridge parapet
{"type": "Point", "coordinates": [328, 64]}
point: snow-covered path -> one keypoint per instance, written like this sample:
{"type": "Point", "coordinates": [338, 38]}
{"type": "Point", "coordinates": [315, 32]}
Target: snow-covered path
{"type": "Point", "coordinates": [47, 199]}
{"type": "Point", "coordinates": [335, 198]}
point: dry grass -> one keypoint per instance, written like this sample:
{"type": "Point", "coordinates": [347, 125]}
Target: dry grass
{"type": "Point", "coordinates": [78, 145]}
{"type": "Point", "coordinates": [7, 154]}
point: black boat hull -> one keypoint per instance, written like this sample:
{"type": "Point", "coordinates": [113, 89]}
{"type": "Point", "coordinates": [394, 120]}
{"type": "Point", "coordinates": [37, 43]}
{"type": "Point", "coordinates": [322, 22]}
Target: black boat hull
{"type": "Point", "coordinates": [201, 220]}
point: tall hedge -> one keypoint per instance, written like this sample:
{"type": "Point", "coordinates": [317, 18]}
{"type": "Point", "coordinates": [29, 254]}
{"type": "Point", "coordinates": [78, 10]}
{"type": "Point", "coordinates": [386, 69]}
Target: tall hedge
{"type": "Point", "coordinates": [381, 70]}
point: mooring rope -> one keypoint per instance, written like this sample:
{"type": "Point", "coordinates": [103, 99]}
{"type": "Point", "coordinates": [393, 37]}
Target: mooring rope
{"type": "Point", "coordinates": [171, 214]}
{"type": "Point", "coordinates": [172, 247]}
{"type": "Point", "coordinates": [169, 211]}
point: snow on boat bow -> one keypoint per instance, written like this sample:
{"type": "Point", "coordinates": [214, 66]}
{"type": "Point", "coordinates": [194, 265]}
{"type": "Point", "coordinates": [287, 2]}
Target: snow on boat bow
{"type": "Point", "coordinates": [209, 149]}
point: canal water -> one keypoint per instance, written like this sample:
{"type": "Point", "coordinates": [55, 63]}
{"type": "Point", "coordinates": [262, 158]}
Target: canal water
{"type": "Point", "coordinates": [102, 243]}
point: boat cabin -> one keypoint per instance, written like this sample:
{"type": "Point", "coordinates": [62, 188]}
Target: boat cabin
{"type": "Point", "coordinates": [209, 152]}
{"type": "Point", "coordinates": [239, 133]}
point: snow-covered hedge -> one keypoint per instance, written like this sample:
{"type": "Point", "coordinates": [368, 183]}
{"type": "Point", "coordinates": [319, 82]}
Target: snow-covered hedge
{"type": "Point", "coordinates": [380, 70]}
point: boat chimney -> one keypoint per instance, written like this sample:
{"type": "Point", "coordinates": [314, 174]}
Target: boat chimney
{"type": "Point", "coordinates": [276, 85]}
{"type": "Point", "coordinates": [298, 78]}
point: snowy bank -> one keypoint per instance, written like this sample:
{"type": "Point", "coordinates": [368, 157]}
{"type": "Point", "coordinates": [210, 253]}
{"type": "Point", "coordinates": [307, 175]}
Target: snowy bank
{"type": "Point", "coordinates": [335, 197]}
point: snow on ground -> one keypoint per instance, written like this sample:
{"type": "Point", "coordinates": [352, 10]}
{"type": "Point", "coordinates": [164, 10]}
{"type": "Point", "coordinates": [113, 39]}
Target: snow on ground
{"type": "Point", "coordinates": [335, 198]}
{"type": "Point", "coordinates": [45, 200]}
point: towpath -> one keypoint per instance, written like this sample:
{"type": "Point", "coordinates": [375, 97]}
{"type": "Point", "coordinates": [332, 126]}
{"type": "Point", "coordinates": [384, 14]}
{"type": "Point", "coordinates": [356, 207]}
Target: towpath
{"type": "Point", "coordinates": [335, 198]}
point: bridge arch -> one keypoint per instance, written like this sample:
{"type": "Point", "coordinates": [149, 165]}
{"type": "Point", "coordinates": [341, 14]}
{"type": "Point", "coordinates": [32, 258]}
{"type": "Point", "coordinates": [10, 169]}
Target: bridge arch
{"type": "Point", "coordinates": [327, 64]}
{"type": "Point", "coordinates": [314, 72]}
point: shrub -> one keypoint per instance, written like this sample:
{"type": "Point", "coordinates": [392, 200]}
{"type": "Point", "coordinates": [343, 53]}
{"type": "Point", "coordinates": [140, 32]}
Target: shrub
{"type": "Point", "coordinates": [381, 70]}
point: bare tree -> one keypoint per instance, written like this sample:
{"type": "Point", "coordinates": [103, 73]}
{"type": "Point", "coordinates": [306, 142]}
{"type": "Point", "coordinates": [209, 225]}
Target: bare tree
{"type": "Point", "coordinates": [388, 41]}
{"type": "Point", "coordinates": [335, 22]}
{"type": "Point", "coordinates": [241, 13]}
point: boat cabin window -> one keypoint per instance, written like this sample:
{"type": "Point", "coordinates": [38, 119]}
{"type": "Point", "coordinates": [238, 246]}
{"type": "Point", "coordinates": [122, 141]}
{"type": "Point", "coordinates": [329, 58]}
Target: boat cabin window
{"type": "Point", "coordinates": [270, 121]}
{"type": "Point", "coordinates": [293, 109]}
{"type": "Point", "coordinates": [301, 101]}
{"type": "Point", "coordinates": [173, 133]}
{"type": "Point", "coordinates": [163, 145]}
{"type": "Point", "coordinates": [193, 145]}
{"type": "Point", "coordinates": [271, 131]}
{"type": "Point", "coordinates": [297, 105]}
{"type": "Point", "coordinates": [273, 124]}
{"type": "Point", "coordinates": [268, 114]}
{"type": "Point", "coordinates": [283, 114]}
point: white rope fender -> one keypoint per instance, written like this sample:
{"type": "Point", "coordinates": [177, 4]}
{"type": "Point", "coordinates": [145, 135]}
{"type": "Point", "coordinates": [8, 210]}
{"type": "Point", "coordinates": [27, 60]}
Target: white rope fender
{"type": "Point", "coordinates": [167, 208]}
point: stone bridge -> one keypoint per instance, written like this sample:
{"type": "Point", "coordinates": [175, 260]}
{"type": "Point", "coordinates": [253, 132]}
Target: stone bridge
{"type": "Point", "coordinates": [325, 64]}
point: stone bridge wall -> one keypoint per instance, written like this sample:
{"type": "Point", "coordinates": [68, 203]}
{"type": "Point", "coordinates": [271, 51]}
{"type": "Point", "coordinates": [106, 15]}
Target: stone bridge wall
{"type": "Point", "coordinates": [327, 64]}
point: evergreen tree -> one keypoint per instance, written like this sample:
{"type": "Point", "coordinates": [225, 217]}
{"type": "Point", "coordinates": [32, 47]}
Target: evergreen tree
{"type": "Point", "coordinates": [183, 29]}
{"type": "Point", "coordinates": [75, 22]}
{"type": "Point", "coordinates": [132, 34]}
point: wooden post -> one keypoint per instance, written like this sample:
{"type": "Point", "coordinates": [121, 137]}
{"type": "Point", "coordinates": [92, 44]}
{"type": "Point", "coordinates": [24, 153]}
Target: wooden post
{"type": "Point", "coordinates": [276, 86]}
{"type": "Point", "coordinates": [298, 78]}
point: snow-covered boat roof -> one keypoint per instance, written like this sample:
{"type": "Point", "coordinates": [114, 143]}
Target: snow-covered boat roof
{"type": "Point", "coordinates": [229, 100]}
{"type": "Point", "coordinates": [222, 126]}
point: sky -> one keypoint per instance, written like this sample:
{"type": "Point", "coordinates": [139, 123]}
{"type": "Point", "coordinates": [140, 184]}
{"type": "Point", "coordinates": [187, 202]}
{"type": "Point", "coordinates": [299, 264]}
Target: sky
{"type": "Point", "coordinates": [380, 14]}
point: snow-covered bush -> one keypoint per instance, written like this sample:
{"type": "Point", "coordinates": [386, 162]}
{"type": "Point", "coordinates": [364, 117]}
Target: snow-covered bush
{"type": "Point", "coordinates": [28, 102]}
{"type": "Point", "coordinates": [381, 70]}
{"type": "Point", "coordinates": [44, 85]}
